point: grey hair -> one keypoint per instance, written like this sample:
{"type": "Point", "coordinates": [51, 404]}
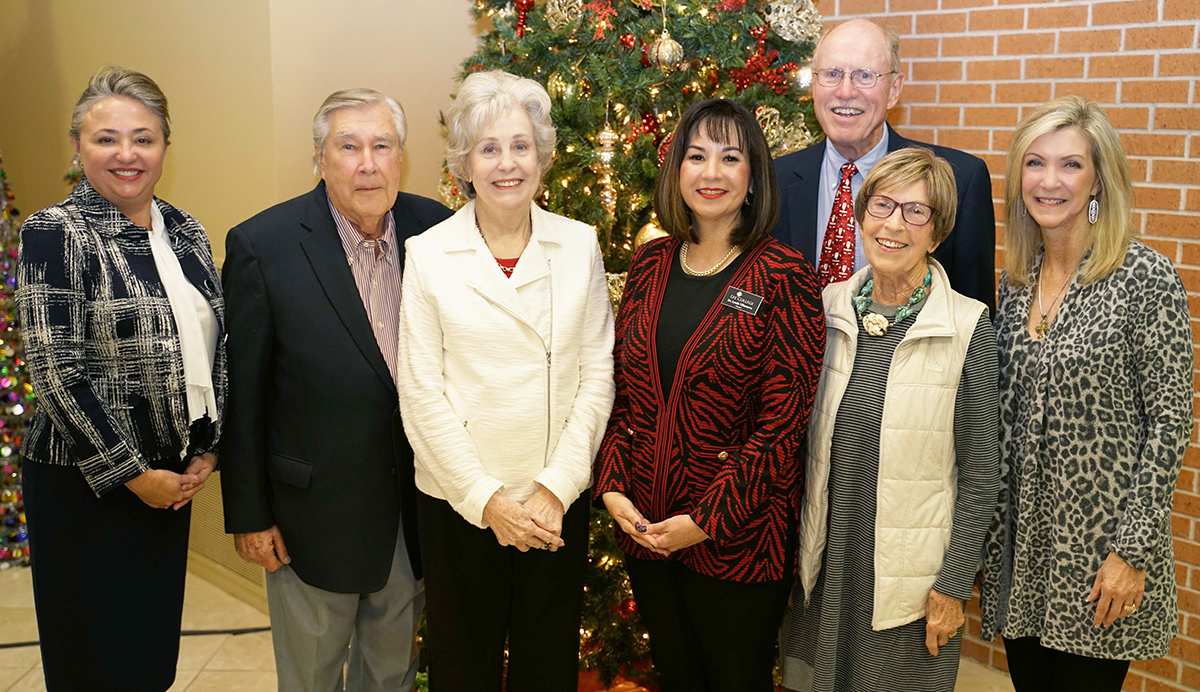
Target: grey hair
{"type": "Point", "coordinates": [353, 98]}
{"type": "Point", "coordinates": [118, 81]}
{"type": "Point", "coordinates": [891, 40]}
{"type": "Point", "coordinates": [483, 97]}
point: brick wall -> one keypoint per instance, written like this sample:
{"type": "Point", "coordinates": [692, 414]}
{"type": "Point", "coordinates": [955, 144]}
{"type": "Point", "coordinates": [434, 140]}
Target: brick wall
{"type": "Point", "coordinates": [975, 67]}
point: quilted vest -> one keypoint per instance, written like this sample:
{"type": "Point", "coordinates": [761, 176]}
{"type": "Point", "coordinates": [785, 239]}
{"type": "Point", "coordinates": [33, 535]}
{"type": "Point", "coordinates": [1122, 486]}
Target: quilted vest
{"type": "Point", "coordinates": [918, 478]}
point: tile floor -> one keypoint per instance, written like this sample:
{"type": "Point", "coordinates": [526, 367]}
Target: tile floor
{"type": "Point", "coordinates": [230, 663]}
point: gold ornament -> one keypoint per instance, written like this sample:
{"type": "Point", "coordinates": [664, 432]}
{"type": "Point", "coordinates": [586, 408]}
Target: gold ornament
{"type": "Point", "coordinates": [560, 89]}
{"type": "Point", "coordinates": [802, 77]}
{"type": "Point", "coordinates": [795, 138]}
{"type": "Point", "coordinates": [665, 51]}
{"type": "Point", "coordinates": [648, 232]}
{"type": "Point", "coordinates": [603, 166]}
{"type": "Point", "coordinates": [451, 195]}
{"type": "Point", "coordinates": [560, 13]}
{"type": "Point", "coordinates": [795, 20]}
{"type": "Point", "coordinates": [616, 288]}
{"type": "Point", "coordinates": [783, 139]}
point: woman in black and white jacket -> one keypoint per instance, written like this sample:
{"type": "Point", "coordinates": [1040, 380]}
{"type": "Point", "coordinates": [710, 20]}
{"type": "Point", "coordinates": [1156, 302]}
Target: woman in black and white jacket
{"type": "Point", "coordinates": [121, 315]}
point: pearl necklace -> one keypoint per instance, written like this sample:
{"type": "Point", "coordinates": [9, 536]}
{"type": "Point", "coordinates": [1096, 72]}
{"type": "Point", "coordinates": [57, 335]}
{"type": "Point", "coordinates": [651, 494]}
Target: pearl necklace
{"type": "Point", "coordinates": [683, 253]}
{"type": "Point", "coordinates": [876, 324]}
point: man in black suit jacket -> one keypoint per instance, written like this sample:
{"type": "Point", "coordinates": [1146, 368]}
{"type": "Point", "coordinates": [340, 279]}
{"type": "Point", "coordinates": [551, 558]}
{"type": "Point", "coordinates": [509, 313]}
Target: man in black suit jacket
{"type": "Point", "coordinates": [316, 473]}
{"type": "Point", "coordinates": [854, 119]}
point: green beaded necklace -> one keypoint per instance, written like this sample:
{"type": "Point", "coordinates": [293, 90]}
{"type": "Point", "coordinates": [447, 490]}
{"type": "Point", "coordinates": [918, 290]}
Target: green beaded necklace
{"type": "Point", "coordinates": [876, 324]}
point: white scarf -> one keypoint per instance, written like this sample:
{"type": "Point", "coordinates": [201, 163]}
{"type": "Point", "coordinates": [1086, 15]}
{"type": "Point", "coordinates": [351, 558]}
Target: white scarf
{"type": "Point", "coordinates": [194, 321]}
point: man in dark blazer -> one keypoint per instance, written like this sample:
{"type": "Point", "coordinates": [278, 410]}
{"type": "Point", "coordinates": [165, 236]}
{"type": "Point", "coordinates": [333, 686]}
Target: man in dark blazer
{"type": "Point", "coordinates": [316, 473]}
{"type": "Point", "coordinates": [854, 119]}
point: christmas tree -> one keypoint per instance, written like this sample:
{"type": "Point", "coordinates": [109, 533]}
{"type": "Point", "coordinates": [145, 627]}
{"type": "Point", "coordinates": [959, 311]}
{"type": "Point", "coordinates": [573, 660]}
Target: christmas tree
{"type": "Point", "coordinates": [16, 394]}
{"type": "Point", "coordinates": [620, 72]}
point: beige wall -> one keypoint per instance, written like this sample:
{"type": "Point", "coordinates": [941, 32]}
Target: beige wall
{"type": "Point", "coordinates": [244, 78]}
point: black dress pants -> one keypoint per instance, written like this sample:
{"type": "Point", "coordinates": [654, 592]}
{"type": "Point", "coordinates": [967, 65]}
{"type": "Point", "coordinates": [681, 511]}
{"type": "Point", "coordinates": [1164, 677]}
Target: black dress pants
{"type": "Point", "coordinates": [706, 634]}
{"type": "Point", "coordinates": [480, 594]}
{"type": "Point", "coordinates": [1035, 668]}
{"type": "Point", "coordinates": [108, 577]}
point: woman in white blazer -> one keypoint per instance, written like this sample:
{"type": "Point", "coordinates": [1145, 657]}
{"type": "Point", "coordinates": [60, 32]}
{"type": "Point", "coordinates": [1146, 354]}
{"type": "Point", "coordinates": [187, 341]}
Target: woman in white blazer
{"type": "Point", "coordinates": [505, 378]}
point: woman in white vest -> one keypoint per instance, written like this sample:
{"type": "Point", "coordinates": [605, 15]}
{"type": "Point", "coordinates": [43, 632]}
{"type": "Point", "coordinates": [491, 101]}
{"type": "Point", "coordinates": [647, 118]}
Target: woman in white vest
{"type": "Point", "coordinates": [1096, 399]}
{"type": "Point", "coordinates": [903, 463]}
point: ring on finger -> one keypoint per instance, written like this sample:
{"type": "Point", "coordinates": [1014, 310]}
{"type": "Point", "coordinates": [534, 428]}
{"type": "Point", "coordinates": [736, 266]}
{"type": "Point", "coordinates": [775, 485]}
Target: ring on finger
{"type": "Point", "coordinates": [545, 545]}
{"type": "Point", "coordinates": [1131, 608]}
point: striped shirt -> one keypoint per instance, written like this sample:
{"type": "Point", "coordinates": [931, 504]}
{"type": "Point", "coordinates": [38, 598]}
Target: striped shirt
{"type": "Point", "coordinates": [377, 275]}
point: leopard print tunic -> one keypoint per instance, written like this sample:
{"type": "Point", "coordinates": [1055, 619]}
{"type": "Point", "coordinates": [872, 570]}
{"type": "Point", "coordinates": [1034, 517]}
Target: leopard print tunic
{"type": "Point", "coordinates": [1094, 420]}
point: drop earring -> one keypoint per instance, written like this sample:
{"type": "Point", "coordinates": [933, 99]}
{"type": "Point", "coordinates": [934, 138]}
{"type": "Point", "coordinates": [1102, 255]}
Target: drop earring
{"type": "Point", "coordinates": [1093, 210]}
{"type": "Point", "coordinates": [74, 175]}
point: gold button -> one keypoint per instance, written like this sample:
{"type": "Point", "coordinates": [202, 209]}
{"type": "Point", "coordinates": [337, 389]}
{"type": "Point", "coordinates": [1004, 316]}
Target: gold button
{"type": "Point", "coordinates": [723, 456]}
{"type": "Point", "coordinates": [629, 430]}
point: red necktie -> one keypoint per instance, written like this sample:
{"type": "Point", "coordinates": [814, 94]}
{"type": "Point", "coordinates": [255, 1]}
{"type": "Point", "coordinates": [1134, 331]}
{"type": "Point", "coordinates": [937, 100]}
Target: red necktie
{"type": "Point", "coordinates": [837, 251]}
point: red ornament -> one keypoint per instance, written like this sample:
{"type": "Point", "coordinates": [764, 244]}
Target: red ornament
{"type": "Point", "coordinates": [758, 68]}
{"type": "Point", "coordinates": [629, 41]}
{"type": "Point", "coordinates": [523, 7]}
{"type": "Point", "coordinates": [629, 607]}
{"type": "Point", "coordinates": [650, 123]}
{"type": "Point", "coordinates": [731, 5]}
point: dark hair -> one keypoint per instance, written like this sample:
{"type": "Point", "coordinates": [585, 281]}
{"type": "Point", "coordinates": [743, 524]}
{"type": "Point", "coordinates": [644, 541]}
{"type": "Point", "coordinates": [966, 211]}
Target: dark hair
{"type": "Point", "coordinates": [722, 121]}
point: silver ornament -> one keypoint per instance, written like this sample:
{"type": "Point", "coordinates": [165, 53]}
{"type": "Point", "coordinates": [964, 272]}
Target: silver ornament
{"type": "Point", "coordinates": [795, 20]}
{"type": "Point", "coordinates": [665, 51]}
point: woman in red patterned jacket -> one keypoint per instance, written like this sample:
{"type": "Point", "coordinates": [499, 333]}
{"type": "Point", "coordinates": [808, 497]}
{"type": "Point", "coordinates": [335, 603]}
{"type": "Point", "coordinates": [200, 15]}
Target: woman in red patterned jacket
{"type": "Point", "coordinates": [718, 350]}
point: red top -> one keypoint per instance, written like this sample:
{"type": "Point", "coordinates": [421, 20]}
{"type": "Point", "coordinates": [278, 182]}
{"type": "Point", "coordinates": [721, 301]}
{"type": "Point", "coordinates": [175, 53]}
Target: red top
{"type": "Point", "coordinates": [507, 265]}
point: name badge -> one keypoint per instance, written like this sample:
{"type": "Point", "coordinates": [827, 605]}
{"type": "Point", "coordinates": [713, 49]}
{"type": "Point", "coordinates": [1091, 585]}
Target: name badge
{"type": "Point", "coordinates": [739, 299]}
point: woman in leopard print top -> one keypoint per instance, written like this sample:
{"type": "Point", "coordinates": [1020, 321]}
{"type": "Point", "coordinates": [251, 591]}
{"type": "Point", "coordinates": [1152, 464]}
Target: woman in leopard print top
{"type": "Point", "coordinates": [1096, 410]}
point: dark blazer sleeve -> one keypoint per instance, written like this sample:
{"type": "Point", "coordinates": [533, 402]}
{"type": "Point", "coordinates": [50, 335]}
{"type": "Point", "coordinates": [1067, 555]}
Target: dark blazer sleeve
{"type": "Point", "coordinates": [244, 445]}
{"type": "Point", "coordinates": [52, 268]}
{"type": "Point", "coordinates": [969, 254]}
{"type": "Point", "coordinates": [799, 175]}
{"type": "Point", "coordinates": [970, 258]}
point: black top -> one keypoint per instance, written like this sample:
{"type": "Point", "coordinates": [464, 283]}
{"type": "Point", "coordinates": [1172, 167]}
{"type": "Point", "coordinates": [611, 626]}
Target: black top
{"type": "Point", "coordinates": [685, 302]}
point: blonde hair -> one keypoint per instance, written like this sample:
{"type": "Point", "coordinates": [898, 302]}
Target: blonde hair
{"type": "Point", "coordinates": [1108, 238]}
{"type": "Point", "coordinates": [909, 165]}
{"type": "Point", "coordinates": [483, 97]}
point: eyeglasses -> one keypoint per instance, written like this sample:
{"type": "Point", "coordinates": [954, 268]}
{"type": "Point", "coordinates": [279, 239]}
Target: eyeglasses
{"type": "Point", "coordinates": [861, 78]}
{"type": "Point", "coordinates": [915, 213]}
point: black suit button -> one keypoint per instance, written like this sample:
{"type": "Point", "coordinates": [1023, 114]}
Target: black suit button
{"type": "Point", "coordinates": [393, 471]}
